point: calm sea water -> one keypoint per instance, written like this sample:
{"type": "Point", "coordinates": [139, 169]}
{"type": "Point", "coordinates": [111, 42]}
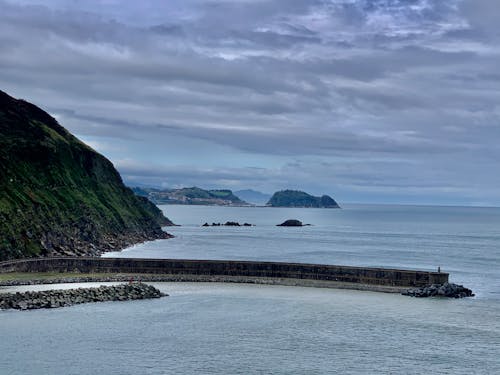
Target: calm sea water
{"type": "Point", "coordinates": [250, 329]}
{"type": "Point", "coordinates": [464, 241]}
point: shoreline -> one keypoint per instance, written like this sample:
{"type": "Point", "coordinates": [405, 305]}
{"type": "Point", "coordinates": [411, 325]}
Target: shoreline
{"type": "Point", "coordinates": [112, 242]}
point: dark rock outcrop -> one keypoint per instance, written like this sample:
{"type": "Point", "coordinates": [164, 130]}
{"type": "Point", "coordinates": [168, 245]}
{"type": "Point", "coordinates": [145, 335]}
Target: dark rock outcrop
{"type": "Point", "coordinates": [228, 224]}
{"type": "Point", "coordinates": [69, 297]}
{"type": "Point", "coordinates": [291, 223]}
{"type": "Point", "coordinates": [440, 290]}
{"type": "Point", "coordinates": [59, 196]}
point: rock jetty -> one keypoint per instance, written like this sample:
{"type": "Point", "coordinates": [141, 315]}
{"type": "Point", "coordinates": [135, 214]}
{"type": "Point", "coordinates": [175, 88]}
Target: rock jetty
{"type": "Point", "coordinates": [440, 290]}
{"type": "Point", "coordinates": [69, 297]}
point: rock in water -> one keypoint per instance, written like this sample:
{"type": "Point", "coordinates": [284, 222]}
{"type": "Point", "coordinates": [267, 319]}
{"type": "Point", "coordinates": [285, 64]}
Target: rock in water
{"type": "Point", "coordinates": [291, 223]}
{"type": "Point", "coordinates": [59, 196]}
{"type": "Point", "coordinates": [228, 224]}
{"type": "Point", "coordinates": [440, 290]}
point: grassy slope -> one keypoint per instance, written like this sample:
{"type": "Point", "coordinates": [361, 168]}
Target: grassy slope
{"type": "Point", "coordinates": [56, 191]}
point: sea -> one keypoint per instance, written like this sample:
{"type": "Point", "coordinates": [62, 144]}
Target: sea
{"type": "Point", "coordinates": [215, 328]}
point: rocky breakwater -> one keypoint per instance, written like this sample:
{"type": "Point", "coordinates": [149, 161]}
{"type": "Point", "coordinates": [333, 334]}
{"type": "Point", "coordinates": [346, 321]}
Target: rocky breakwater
{"type": "Point", "coordinates": [69, 297]}
{"type": "Point", "coordinates": [440, 290]}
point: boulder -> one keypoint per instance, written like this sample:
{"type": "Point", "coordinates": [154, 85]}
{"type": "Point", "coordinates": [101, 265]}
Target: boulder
{"type": "Point", "coordinates": [291, 223]}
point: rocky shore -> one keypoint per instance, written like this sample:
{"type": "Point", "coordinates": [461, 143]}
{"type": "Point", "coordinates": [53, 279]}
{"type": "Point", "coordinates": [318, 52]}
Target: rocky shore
{"type": "Point", "coordinates": [69, 297]}
{"type": "Point", "coordinates": [73, 246]}
{"type": "Point", "coordinates": [440, 290]}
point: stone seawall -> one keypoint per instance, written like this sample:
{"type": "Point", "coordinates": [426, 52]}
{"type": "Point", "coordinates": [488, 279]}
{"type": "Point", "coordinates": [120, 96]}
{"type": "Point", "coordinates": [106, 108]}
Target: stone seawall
{"type": "Point", "coordinates": [244, 271]}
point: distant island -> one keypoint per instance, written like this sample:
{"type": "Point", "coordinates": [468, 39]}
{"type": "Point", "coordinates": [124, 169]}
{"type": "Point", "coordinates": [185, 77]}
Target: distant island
{"type": "Point", "coordinates": [296, 198]}
{"type": "Point", "coordinates": [190, 196]}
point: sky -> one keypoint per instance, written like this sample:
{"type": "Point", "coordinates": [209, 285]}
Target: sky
{"type": "Point", "coordinates": [371, 101]}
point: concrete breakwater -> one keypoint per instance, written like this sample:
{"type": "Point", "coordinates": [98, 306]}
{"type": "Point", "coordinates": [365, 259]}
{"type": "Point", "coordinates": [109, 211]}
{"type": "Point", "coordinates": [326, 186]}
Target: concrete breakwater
{"type": "Point", "coordinates": [234, 271]}
{"type": "Point", "coordinates": [69, 297]}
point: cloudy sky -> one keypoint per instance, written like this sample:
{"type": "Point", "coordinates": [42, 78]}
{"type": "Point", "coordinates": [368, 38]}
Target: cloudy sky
{"type": "Point", "coordinates": [365, 100]}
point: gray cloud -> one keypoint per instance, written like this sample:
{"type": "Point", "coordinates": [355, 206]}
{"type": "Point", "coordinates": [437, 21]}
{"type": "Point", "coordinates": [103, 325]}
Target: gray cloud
{"type": "Point", "coordinates": [263, 83]}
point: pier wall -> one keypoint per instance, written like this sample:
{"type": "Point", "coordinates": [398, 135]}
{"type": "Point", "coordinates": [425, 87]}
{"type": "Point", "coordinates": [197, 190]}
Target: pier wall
{"type": "Point", "coordinates": [218, 270]}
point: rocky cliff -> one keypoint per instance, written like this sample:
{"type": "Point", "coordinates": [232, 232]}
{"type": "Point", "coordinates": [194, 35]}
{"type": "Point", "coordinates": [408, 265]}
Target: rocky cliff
{"type": "Point", "coordinates": [58, 196]}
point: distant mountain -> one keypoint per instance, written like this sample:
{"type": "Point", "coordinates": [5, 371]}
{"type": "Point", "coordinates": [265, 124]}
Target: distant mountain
{"type": "Point", "coordinates": [60, 197]}
{"type": "Point", "coordinates": [190, 196]}
{"type": "Point", "coordinates": [296, 198]}
{"type": "Point", "coordinates": [253, 196]}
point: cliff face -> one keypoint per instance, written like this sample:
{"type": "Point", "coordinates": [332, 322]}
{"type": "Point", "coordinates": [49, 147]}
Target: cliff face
{"type": "Point", "coordinates": [295, 198]}
{"type": "Point", "coordinates": [60, 197]}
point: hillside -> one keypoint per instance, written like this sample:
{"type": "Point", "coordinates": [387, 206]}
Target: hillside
{"type": "Point", "coordinates": [296, 198]}
{"type": "Point", "coordinates": [192, 196]}
{"type": "Point", "coordinates": [60, 197]}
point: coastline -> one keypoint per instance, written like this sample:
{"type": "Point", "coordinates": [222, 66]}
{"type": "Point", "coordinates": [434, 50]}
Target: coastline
{"type": "Point", "coordinates": [112, 242]}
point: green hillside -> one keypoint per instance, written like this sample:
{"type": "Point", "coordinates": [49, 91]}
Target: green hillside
{"type": "Point", "coordinates": [58, 196]}
{"type": "Point", "coordinates": [191, 196]}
